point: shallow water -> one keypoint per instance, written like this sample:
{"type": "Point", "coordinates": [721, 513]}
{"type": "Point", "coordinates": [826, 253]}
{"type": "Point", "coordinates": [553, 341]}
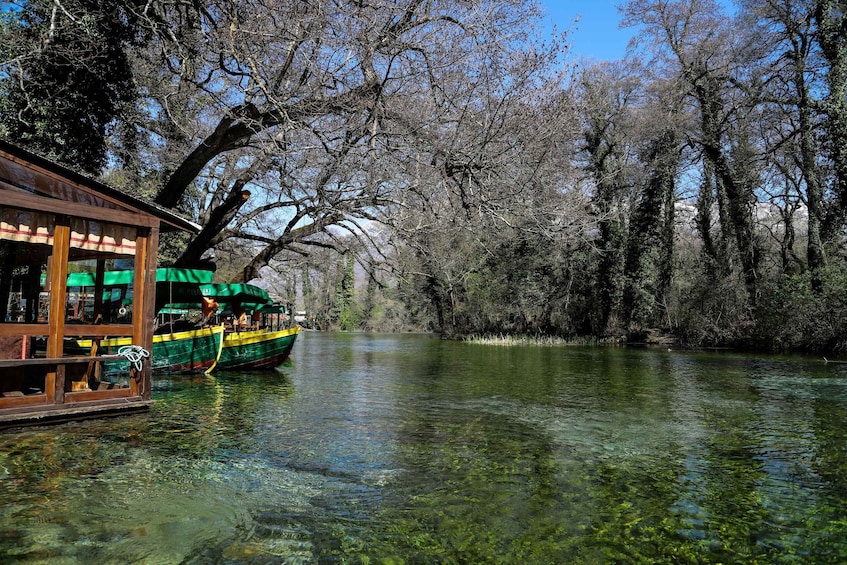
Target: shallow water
{"type": "Point", "coordinates": [408, 449]}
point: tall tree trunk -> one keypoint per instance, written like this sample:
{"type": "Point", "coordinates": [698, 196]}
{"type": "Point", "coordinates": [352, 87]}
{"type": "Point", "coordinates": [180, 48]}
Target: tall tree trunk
{"type": "Point", "coordinates": [642, 267]}
{"type": "Point", "coordinates": [705, 203]}
{"type": "Point", "coordinates": [832, 29]}
{"type": "Point", "coordinates": [809, 156]}
{"type": "Point", "coordinates": [738, 187]}
{"type": "Point", "coordinates": [610, 271]}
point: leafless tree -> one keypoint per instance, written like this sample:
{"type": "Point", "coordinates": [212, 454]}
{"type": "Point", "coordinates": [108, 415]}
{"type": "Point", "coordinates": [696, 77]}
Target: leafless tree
{"type": "Point", "coordinates": [283, 122]}
{"type": "Point", "coordinates": [693, 41]}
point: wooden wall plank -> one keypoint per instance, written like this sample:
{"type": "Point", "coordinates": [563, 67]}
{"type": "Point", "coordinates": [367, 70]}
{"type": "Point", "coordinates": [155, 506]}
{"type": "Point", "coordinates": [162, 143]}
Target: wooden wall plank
{"type": "Point", "coordinates": [51, 205]}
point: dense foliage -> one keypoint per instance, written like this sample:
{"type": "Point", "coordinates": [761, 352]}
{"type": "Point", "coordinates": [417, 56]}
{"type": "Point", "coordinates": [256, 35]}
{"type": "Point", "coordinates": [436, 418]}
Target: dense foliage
{"type": "Point", "coordinates": [486, 183]}
{"type": "Point", "coordinates": [713, 162]}
{"type": "Point", "coordinates": [68, 77]}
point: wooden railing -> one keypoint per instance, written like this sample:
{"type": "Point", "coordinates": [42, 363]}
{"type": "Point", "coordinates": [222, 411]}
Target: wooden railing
{"type": "Point", "coordinates": [54, 382]}
{"type": "Point", "coordinates": [80, 330]}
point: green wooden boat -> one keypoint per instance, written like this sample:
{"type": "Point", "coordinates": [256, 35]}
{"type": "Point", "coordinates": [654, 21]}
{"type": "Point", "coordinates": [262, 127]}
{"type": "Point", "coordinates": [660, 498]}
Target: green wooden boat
{"type": "Point", "coordinates": [189, 351]}
{"type": "Point", "coordinates": [256, 349]}
{"type": "Point", "coordinates": [206, 348]}
{"type": "Point", "coordinates": [183, 350]}
{"type": "Point", "coordinates": [243, 348]}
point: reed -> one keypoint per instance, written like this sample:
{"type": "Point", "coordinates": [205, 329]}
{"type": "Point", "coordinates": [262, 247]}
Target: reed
{"type": "Point", "coordinates": [527, 339]}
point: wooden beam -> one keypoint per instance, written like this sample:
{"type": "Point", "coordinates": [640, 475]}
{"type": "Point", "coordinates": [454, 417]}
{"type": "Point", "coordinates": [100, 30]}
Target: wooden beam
{"type": "Point", "coordinates": [47, 361]}
{"type": "Point", "coordinates": [76, 330]}
{"type": "Point", "coordinates": [143, 304]}
{"type": "Point", "coordinates": [14, 328]}
{"type": "Point", "coordinates": [57, 390]}
{"type": "Point", "coordinates": [17, 401]}
{"type": "Point", "coordinates": [57, 276]}
{"type": "Point", "coordinates": [17, 415]}
{"type": "Point", "coordinates": [23, 200]}
{"type": "Point", "coordinates": [88, 395]}
{"type": "Point", "coordinates": [151, 249]}
{"type": "Point", "coordinates": [90, 330]}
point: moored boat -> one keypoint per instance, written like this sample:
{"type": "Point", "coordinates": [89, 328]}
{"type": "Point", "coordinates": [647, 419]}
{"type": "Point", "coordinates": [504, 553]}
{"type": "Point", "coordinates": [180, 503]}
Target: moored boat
{"type": "Point", "coordinates": [256, 349]}
{"type": "Point", "coordinates": [178, 345]}
{"type": "Point", "coordinates": [251, 341]}
{"type": "Point", "coordinates": [248, 340]}
{"type": "Point", "coordinates": [189, 351]}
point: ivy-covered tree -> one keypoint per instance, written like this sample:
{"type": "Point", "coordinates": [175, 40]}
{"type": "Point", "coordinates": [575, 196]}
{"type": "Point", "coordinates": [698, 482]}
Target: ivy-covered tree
{"type": "Point", "coordinates": [344, 306]}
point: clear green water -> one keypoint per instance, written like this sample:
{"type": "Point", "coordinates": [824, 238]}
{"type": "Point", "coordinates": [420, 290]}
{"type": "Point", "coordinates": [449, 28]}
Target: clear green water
{"type": "Point", "coordinates": [406, 449]}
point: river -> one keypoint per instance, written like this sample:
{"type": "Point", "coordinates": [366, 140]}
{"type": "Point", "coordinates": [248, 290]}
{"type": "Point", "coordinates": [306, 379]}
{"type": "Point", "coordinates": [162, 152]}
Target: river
{"type": "Point", "coordinates": [409, 449]}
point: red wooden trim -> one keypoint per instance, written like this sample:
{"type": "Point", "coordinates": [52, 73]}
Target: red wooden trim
{"type": "Point", "coordinates": [17, 401]}
{"type": "Point", "coordinates": [88, 395]}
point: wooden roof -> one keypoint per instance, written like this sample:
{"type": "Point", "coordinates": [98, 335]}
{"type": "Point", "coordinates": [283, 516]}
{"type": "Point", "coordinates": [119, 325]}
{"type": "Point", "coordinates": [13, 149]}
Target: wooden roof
{"type": "Point", "coordinates": [31, 181]}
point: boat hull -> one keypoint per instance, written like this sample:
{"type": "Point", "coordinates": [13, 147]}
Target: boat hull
{"type": "Point", "coordinates": [256, 349]}
{"type": "Point", "coordinates": [192, 351]}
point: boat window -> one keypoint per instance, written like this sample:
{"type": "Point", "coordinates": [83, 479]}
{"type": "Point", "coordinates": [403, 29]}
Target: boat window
{"type": "Point", "coordinates": [22, 266]}
{"type": "Point", "coordinates": [113, 304]}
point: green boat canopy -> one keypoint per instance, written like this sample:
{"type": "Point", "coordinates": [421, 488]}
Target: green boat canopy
{"type": "Point", "coordinates": [250, 297]}
{"type": "Point", "coordinates": [121, 278]}
{"type": "Point", "coordinates": [232, 293]}
{"type": "Point", "coordinates": [188, 288]}
{"type": "Point", "coordinates": [191, 276]}
{"type": "Point", "coordinates": [271, 309]}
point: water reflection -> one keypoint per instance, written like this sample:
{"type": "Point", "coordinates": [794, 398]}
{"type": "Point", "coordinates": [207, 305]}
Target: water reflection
{"type": "Point", "coordinates": [409, 449]}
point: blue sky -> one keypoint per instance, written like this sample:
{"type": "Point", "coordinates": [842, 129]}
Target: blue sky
{"type": "Point", "coordinates": [596, 34]}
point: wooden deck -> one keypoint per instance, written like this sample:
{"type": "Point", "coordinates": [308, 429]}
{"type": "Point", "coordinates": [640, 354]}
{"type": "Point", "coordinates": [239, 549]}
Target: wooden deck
{"type": "Point", "coordinates": [51, 414]}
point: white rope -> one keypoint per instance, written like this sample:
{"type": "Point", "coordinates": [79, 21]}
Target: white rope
{"type": "Point", "coordinates": [135, 354]}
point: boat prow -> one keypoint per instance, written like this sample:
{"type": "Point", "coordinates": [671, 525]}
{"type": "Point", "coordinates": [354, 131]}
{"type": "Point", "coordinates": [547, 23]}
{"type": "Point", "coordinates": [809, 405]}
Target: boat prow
{"type": "Point", "coordinates": [256, 349]}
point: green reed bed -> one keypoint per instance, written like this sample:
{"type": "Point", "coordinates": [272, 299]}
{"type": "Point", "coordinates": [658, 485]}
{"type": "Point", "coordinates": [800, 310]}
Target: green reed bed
{"type": "Point", "coordinates": [525, 339]}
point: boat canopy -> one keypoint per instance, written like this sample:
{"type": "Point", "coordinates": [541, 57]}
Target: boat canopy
{"type": "Point", "coordinates": [271, 309]}
{"type": "Point", "coordinates": [120, 278]}
{"type": "Point", "coordinates": [186, 288]}
{"type": "Point", "coordinates": [232, 293]}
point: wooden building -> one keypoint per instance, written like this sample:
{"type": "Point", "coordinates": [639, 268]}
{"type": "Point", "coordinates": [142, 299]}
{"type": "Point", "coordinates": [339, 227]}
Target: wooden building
{"type": "Point", "coordinates": [54, 222]}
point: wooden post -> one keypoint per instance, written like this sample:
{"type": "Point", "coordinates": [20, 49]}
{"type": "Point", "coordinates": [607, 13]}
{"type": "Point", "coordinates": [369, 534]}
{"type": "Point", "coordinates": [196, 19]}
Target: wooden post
{"type": "Point", "coordinates": [7, 264]}
{"type": "Point", "coordinates": [144, 304]}
{"type": "Point", "coordinates": [99, 275]}
{"type": "Point", "coordinates": [57, 279]}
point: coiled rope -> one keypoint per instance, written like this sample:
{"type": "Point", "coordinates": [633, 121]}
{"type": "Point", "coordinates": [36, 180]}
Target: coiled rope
{"type": "Point", "coordinates": [135, 354]}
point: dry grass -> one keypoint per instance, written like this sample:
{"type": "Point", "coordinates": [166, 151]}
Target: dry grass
{"type": "Point", "coordinates": [507, 340]}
